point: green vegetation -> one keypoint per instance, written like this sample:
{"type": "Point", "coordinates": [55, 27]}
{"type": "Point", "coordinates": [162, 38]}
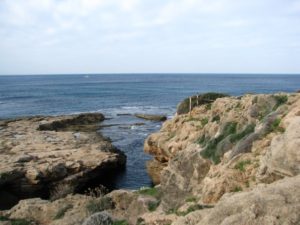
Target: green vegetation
{"type": "Point", "coordinates": [280, 100]}
{"type": "Point", "coordinates": [211, 146]}
{"type": "Point", "coordinates": [238, 136]}
{"type": "Point", "coordinates": [152, 206]}
{"type": "Point", "coordinates": [191, 199]}
{"type": "Point", "coordinates": [61, 212]}
{"type": "Point", "coordinates": [204, 121]}
{"type": "Point", "coordinates": [98, 205]}
{"type": "Point", "coordinates": [140, 221]}
{"type": "Point", "coordinates": [237, 189]}
{"type": "Point", "coordinates": [120, 222]}
{"type": "Point", "coordinates": [202, 140]}
{"type": "Point", "coordinates": [149, 191]}
{"type": "Point", "coordinates": [241, 165]}
{"type": "Point", "coordinates": [208, 106]}
{"type": "Point", "coordinates": [202, 99]}
{"type": "Point", "coordinates": [216, 118]}
{"type": "Point", "coordinates": [275, 126]}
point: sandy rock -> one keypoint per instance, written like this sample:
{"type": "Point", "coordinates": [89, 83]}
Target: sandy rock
{"type": "Point", "coordinates": [277, 203]}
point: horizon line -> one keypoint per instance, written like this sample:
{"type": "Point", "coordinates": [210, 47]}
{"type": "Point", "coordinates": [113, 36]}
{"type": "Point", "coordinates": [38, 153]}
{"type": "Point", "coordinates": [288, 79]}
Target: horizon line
{"type": "Point", "coordinates": [149, 73]}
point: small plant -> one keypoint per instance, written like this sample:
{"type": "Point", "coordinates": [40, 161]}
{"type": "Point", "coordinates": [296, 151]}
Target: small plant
{"type": "Point", "coordinates": [140, 221]}
{"type": "Point", "coordinates": [60, 214]}
{"type": "Point", "coordinates": [204, 121]}
{"type": "Point", "coordinates": [216, 118]}
{"type": "Point", "coordinates": [193, 208]}
{"type": "Point", "coordinates": [153, 205]}
{"type": "Point", "coordinates": [275, 126]}
{"type": "Point", "coordinates": [208, 106]}
{"type": "Point", "coordinates": [191, 199]}
{"type": "Point", "coordinates": [98, 205]}
{"type": "Point", "coordinates": [241, 165]}
{"type": "Point", "coordinates": [97, 191]}
{"type": "Point", "coordinates": [61, 190]}
{"type": "Point", "coordinates": [247, 184]}
{"type": "Point", "coordinates": [149, 191]}
{"type": "Point", "coordinates": [237, 189]}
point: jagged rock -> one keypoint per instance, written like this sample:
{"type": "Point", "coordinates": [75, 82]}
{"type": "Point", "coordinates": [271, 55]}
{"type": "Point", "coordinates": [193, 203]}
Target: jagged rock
{"type": "Point", "coordinates": [154, 169]}
{"type": "Point", "coordinates": [283, 156]}
{"type": "Point", "coordinates": [100, 218]}
{"type": "Point", "coordinates": [181, 178]}
{"type": "Point", "coordinates": [151, 117]}
{"type": "Point", "coordinates": [277, 203]}
{"type": "Point", "coordinates": [129, 205]}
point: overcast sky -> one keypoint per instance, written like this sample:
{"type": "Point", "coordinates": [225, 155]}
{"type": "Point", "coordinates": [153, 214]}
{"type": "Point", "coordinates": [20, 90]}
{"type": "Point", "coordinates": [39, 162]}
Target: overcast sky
{"type": "Point", "coordinates": [116, 36]}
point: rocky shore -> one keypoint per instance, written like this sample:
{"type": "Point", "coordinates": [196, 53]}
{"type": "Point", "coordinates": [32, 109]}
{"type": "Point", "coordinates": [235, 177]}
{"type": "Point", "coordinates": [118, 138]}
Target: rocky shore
{"type": "Point", "coordinates": [38, 155]}
{"type": "Point", "coordinates": [230, 160]}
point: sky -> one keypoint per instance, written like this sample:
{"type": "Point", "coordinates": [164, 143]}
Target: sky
{"type": "Point", "coordinates": [149, 36]}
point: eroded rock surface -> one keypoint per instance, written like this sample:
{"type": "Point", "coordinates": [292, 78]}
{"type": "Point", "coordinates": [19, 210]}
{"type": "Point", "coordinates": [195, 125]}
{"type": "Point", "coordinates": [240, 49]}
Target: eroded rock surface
{"type": "Point", "coordinates": [38, 153]}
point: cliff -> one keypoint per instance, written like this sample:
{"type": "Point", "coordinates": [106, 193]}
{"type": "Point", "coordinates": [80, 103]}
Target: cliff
{"type": "Point", "coordinates": [231, 160]}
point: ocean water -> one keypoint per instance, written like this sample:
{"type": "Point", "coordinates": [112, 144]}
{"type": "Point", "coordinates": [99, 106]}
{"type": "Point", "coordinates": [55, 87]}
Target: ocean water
{"type": "Point", "coordinates": [126, 94]}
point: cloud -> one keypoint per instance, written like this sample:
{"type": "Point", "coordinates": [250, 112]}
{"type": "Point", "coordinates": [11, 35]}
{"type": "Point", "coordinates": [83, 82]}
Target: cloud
{"type": "Point", "coordinates": [192, 27]}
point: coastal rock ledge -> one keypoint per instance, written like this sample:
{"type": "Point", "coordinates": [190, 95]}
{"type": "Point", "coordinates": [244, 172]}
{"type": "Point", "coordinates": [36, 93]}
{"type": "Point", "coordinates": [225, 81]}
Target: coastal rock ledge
{"type": "Point", "coordinates": [37, 154]}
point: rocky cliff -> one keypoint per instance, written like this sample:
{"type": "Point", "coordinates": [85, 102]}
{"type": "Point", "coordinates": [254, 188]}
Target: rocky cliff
{"type": "Point", "coordinates": [231, 160]}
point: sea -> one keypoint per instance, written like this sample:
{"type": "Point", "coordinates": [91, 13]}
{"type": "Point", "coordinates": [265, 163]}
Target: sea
{"type": "Point", "coordinates": [119, 96]}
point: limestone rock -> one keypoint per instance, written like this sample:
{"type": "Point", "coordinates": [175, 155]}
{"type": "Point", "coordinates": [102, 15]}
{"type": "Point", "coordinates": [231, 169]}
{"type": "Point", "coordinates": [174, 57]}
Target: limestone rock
{"type": "Point", "coordinates": [277, 203]}
{"type": "Point", "coordinates": [37, 153]}
{"type": "Point", "coordinates": [181, 178]}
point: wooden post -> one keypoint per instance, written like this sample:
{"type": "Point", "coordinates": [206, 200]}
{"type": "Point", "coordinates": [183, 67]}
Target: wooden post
{"type": "Point", "coordinates": [197, 100]}
{"type": "Point", "coordinates": [190, 105]}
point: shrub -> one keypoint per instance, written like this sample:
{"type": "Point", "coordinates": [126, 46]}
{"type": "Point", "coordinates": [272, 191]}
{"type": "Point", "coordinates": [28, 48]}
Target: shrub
{"type": "Point", "coordinates": [191, 199]}
{"type": "Point", "coordinates": [211, 147]}
{"type": "Point", "coordinates": [216, 118]}
{"type": "Point", "coordinates": [98, 205]}
{"type": "Point", "coordinates": [61, 212]}
{"type": "Point", "coordinates": [97, 192]}
{"type": "Point", "coordinates": [206, 98]}
{"type": "Point", "coordinates": [152, 205]}
{"type": "Point", "coordinates": [241, 165]}
{"type": "Point", "coordinates": [275, 126]}
{"type": "Point", "coordinates": [61, 190]}
{"type": "Point", "coordinates": [204, 121]}
{"type": "Point", "coordinates": [237, 189]}
{"type": "Point", "coordinates": [238, 136]}
{"type": "Point", "coordinates": [280, 100]}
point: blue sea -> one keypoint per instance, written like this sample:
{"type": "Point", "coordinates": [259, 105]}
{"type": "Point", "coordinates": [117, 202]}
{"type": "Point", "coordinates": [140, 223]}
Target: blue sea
{"type": "Point", "coordinates": [115, 94]}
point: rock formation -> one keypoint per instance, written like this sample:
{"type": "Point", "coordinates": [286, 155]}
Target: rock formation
{"type": "Point", "coordinates": [40, 154]}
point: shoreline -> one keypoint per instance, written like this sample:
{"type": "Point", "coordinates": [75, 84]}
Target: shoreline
{"type": "Point", "coordinates": [41, 153]}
